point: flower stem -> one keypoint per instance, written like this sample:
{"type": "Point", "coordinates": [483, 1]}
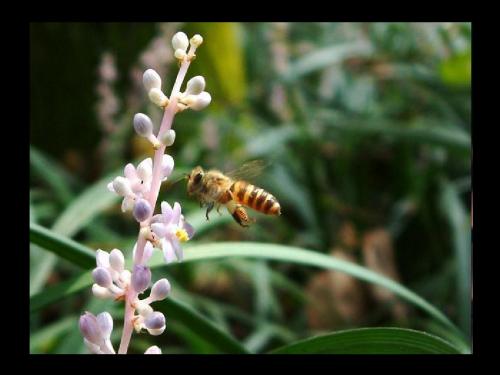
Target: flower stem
{"type": "Point", "coordinates": [166, 124]}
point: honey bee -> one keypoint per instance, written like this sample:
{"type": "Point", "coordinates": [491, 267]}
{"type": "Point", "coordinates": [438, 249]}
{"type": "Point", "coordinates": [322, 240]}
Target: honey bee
{"type": "Point", "coordinates": [213, 187]}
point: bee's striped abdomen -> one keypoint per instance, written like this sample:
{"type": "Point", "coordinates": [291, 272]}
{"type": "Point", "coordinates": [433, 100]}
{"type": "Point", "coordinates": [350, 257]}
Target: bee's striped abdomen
{"type": "Point", "coordinates": [255, 197]}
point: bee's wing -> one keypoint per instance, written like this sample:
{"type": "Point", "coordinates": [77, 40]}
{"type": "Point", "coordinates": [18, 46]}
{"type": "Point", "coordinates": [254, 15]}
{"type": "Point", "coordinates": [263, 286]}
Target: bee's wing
{"type": "Point", "coordinates": [248, 171]}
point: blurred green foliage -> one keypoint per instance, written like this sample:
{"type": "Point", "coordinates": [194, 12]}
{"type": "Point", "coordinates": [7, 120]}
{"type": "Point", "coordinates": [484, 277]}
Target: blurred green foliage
{"type": "Point", "coordinates": [365, 125]}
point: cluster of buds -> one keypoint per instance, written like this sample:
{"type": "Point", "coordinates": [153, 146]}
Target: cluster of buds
{"type": "Point", "coordinates": [193, 97]}
{"type": "Point", "coordinates": [135, 185]}
{"type": "Point", "coordinates": [180, 43]}
{"type": "Point", "coordinates": [139, 187]}
{"type": "Point", "coordinates": [110, 276]}
{"type": "Point", "coordinates": [153, 321]}
{"type": "Point", "coordinates": [96, 332]}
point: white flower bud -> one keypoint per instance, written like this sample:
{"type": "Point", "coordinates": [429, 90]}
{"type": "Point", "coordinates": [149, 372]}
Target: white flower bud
{"type": "Point", "coordinates": [168, 137]}
{"type": "Point", "coordinates": [202, 100]}
{"type": "Point", "coordinates": [167, 166]}
{"type": "Point", "coordinates": [142, 210]}
{"type": "Point", "coordinates": [151, 80]}
{"type": "Point", "coordinates": [195, 86]}
{"type": "Point", "coordinates": [117, 260]}
{"type": "Point", "coordinates": [147, 253]}
{"type": "Point", "coordinates": [125, 277]}
{"type": "Point", "coordinates": [127, 204]}
{"type": "Point", "coordinates": [158, 97]}
{"type": "Point", "coordinates": [143, 309]}
{"type": "Point", "coordinates": [160, 290]}
{"type": "Point", "coordinates": [102, 277]}
{"type": "Point", "coordinates": [100, 292]}
{"type": "Point", "coordinates": [180, 41]}
{"type": "Point", "coordinates": [179, 54]}
{"type": "Point", "coordinates": [105, 323]}
{"type": "Point", "coordinates": [143, 125]}
{"type": "Point", "coordinates": [93, 348]}
{"type": "Point", "coordinates": [153, 350]}
{"type": "Point", "coordinates": [122, 186]}
{"type": "Point", "coordinates": [102, 258]}
{"type": "Point", "coordinates": [196, 40]}
{"type": "Point", "coordinates": [145, 169]}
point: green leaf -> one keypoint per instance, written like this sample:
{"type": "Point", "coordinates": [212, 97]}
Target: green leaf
{"type": "Point", "coordinates": [220, 60]}
{"type": "Point", "coordinates": [371, 341]}
{"type": "Point", "coordinates": [60, 291]}
{"type": "Point", "coordinates": [420, 131]}
{"type": "Point", "coordinates": [42, 340]}
{"type": "Point", "coordinates": [460, 225]}
{"type": "Point", "coordinates": [83, 256]}
{"type": "Point", "coordinates": [78, 214]}
{"type": "Point", "coordinates": [86, 206]}
{"type": "Point", "coordinates": [200, 325]}
{"type": "Point", "coordinates": [53, 174]}
{"type": "Point", "coordinates": [63, 246]}
{"type": "Point", "coordinates": [456, 70]}
{"type": "Point", "coordinates": [325, 57]}
{"type": "Point", "coordinates": [306, 257]}
{"type": "Point", "coordinates": [198, 220]}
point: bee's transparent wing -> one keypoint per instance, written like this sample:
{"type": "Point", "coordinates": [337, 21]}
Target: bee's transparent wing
{"type": "Point", "coordinates": [248, 171]}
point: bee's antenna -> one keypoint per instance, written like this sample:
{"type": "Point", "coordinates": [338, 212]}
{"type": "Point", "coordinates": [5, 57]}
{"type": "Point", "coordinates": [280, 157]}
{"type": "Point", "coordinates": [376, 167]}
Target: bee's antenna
{"type": "Point", "coordinates": [183, 177]}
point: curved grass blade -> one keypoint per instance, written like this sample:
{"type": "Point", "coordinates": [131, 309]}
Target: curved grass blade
{"type": "Point", "coordinates": [301, 256]}
{"type": "Point", "coordinates": [325, 57]}
{"type": "Point", "coordinates": [53, 174]}
{"type": "Point", "coordinates": [85, 257]}
{"type": "Point", "coordinates": [62, 246]}
{"type": "Point", "coordinates": [423, 130]}
{"type": "Point", "coordinates": [371, 341]}
{"type": "Point", "coordinates": [200, 325]}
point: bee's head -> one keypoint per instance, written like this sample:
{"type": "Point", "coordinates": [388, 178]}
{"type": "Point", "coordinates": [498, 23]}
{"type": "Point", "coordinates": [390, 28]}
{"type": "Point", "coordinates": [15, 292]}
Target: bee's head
{"type": "Point", "coordinates": [194, 180]}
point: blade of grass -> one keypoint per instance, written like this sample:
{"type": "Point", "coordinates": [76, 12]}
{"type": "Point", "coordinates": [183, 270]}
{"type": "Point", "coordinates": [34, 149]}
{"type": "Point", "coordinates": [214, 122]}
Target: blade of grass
{"type": "Point", "coordinates": [371, 341]}
{"type": "Point", "coordinates": [53, 174]}
{"type": "Point", "coordinates": [460, 227]}
{"type": "Point", "coordinates": [79, 253]}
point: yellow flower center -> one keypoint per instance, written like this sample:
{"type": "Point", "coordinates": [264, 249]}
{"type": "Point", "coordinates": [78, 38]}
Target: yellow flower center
{"type": "Point", "coordinates": [182, 235]}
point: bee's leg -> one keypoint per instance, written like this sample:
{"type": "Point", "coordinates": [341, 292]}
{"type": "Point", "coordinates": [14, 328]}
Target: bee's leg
{"type": "Point", "coordinates": [239, 214]}
{"type": "Point", "coordinates": [210, 206]}
{"type": "Point", "coordinates": [218, 209]}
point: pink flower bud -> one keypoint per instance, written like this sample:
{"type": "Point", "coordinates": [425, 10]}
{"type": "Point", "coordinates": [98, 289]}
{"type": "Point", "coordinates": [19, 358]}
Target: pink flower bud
{"type": "Point", "coordinates": [142, 210]}
{"type": "Point", "coordinates": [102, 277]}
{"type": "Point", "coordinates": [141, 277]}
